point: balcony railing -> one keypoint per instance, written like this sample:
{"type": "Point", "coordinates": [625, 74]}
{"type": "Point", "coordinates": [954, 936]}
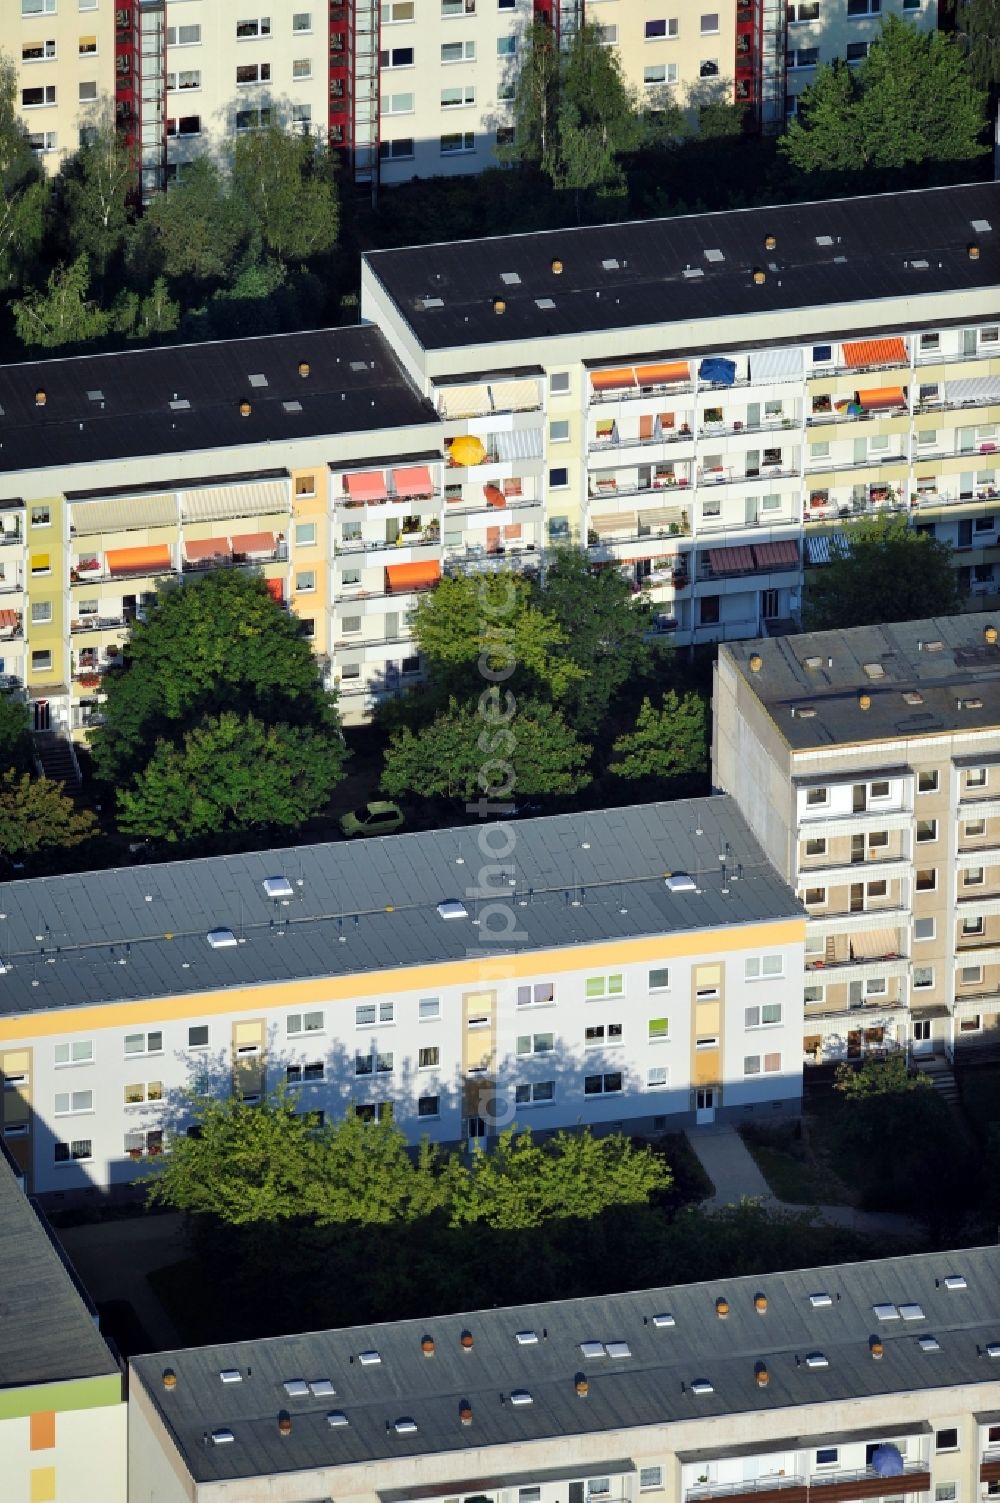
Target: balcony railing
{"type": "Point", "coordinates": [617, 441]}
{"type": "Point", "coordinates": [376, 545]}
{"type": "Point", "coordinates": [731, 477]}
{"type": "Point", "coordinates": [708, 1492]}
{"type": "Point", "coordinates": [867, 1483]}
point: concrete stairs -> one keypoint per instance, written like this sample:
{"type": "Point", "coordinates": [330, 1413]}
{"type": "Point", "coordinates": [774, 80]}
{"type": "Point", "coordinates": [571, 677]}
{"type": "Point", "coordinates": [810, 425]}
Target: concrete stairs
{"type": "Point", "coordinates": [56, 759]}
{"type": "Point", "coordinates": [941, 1076]}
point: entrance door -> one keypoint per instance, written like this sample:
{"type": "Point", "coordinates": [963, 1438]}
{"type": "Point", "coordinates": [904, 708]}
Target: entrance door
{"type": "Point", "coordinates": [769, 605]}
{"type": "Point", "coordinates": [859, 798]}
{"type": "Point", "coordinates": [43, 719]}
{"type": "Point", "coordinates": [857, 897]}
{"type": "Point", "coordinates": [922, 1042]}
{"type": "Point", "coordinates": [856, 994]}
{"type": "Point", "coordinates": [704, 1105]}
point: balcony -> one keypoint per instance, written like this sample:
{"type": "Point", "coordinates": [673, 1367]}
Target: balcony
{"type": "Point", "coordinates": [853, 921]}
{"type": "Point", "coordinates": [838, 1486]}
{"type": "Point", "coordinates": [763, 1490]}
{"type": "Point", "coordinates": [429, 537]}
{"type": "Point", "coordinates": [615, 440]}
{"type": "Point", "coordinates": [728, 476]}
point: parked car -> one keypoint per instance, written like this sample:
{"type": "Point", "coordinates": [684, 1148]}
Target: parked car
{"type": "Point", "coordinates": [378, 818]}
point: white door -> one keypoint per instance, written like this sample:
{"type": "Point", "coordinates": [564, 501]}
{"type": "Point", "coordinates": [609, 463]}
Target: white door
{"type": "Point", "coordinates": [922, 1041]}
{"type": "Point", "coordinates": [704, 1106]}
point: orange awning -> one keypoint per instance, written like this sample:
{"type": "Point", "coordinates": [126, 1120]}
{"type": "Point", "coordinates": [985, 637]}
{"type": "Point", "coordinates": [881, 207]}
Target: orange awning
{"type": "Point", "coordinates": [369, 486]}
{"type": "Point", "coordinates": [875, 352]}
{"type": "Point", "coordinates": [276, 590]}
{"type": "Point", "coordinates": [656, 375]}
{"type": "Point", "coordinates": [412, 576]}
{"type": "Point", "coordinates": [413, 482]}
{"type": "Point", "coordinates": [252, 542]}
{"type": "Point", "coordinates": [612, 380]}
{"type": "Point", "coordinates": [730, 560]}
{"type": "Point", "coordinates": [197, 549]}
{"type": "Point", "coordinates": [8, 619]}
{"type": "Point", "coordinates": [783, 555]}
{"type": "Point", "coordinates": [138, 560]}
{"type": "Point", "coordinates": [885, 396]}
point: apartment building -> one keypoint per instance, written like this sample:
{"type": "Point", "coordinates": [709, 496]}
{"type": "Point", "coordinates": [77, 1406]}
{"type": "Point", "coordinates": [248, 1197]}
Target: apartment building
{"type": "Point", "coordinates": [62, 1394]}
{"type": "Point", "coordinates": [640, 965]}
{"type": "Point", "coordinates": [403, 89]}
{"type": "Point", "coordinates": [846, 751]}
{"type": "Point", "coordinates": [864, 1380]}
{"type": "Point", "coordinates": [722, 391]}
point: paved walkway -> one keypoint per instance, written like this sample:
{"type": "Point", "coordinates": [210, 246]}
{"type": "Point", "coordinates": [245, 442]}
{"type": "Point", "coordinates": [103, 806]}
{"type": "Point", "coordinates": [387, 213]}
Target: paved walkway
{"type": "Point", "coordinates": [114, 1257]}
{"type": "Point", "coordinates": [735, 1175]}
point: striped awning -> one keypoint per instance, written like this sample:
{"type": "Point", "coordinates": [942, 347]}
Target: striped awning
{"type": "Point", "coordinates": [368, 486]}
{"type": "Point", "coordinates": [882, 396]}
{"type": "Point", "coordinates": [663, 374]}
{"type": "Point", "coordinates": [771, 367]}
{"type": "Point", "coordinates": [514, 396]}
{"type": "Point", "coordinates": [730, 560]}
{"type": "Point", "coordinates": [617, 521]}
{"type": "Point", "coordinates": [120, 513]}
{"type": "Point", "coordinates": [198, 549]}
{"type": "Point", "coordinates": [875, 352]}
{"type": "Point", "coordinates": [518, 443]}
{"type": "Point", "coordinates": [661, 516]}
{"type": "Point", "coordinates": [412, 576]}
{"type": "Point", "coordinates": [138, 560]}
{"type": "Point", "coordinates": [9, 619]}
{"type": "Point", "coordinates": [415, 481]}
{"type": "Point", "coordinates": [872, 944]}
{"type": "Point", "coordinates": [219, 503]}
{"type": "Point", "coordinates": [781, 555]}
{"type": "Point", "coordinates": [252, 542]}
{"type": "Point", "coordinates": [975, 390]}
{"type": "Point", "coordinates": [824, 547]}
{"type": "Point", "coordinates": [464, 401]}
{"type": "Point", "coordinates": [615, 380]}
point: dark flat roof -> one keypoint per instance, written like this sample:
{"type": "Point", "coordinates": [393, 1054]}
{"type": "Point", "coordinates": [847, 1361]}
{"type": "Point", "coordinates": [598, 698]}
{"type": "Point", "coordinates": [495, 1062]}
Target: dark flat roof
{"type": "Point", "coordinates": [47, 1333]}
{"type": "Point", "coordinates": [873, 245]}
{"type": "Point", "coordinates": [355, 385]}
{"type": "Point", "coordinates": [647, 1384]}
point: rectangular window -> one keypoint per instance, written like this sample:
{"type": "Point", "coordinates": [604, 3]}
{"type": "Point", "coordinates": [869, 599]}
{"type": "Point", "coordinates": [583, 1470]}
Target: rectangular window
{"type": "Point", "coordinates": [655, 30]}
{"type": "Point", "coordinates": [79, 1150]}
{"type": "Point", "coordinates": [659, 979]}
{"type": "Point", "coordinates": [460, 94]}
{"type": "Point", "coordinates": [428, 1008]}
{"type": "Point", "coordinates": [302, 67]}
{"type": "Point", "coordinates": [68, 1102]}
{"type": "Point", "coordinates": [710, 23]}
{"type": "Point", "coordinates": [923, 928]}
{"type": "Point", "coordinates": [506, 46]}
{"type": "Point", "coordinates": [927, 781]}
{"type": "Point", "coordinates": [536, 995]}
{"type": "Point", "coordinates": [559, 382]}
{"type": "Point", "coordinates": [302, 21]}
{"type": "Point", "coordinates": [923, 976]}
{"type": "Point", "coordinates": [38, 52]}
{"type": "Point", "coordinates": [400, 150]}
{"type": "Point", "coordinates": [650, 1478]}
{"type": "Point", "coordinates": [33, 99]}
{"type": "Point", "coordinates": [41, 611]}
{"type": "Point", "coordinates": [816, 797]}
{"type": "Point", "coordinates": [660, 73]}
{"type": "Point", "coordinates": [751, 1064]}
{"type": "Point", "coordinates": [303, 1022]}
{"type": "Point", "coordinates": [975, 777]}
{"type": "Point", "coordinates": [38, 7]}
{"type": "Point", "coordinates": [975, 876]}
{"type": "Point", "coordinates": [142, 1091]}
{"type": "Point", "coordinates": [88, 92]}
{"type": "Point", "coordinates": [397, 12]}
{"type": "Point", "coordinates": [657, 1078]}
{"type": "Point", "coordinates": [708, 67]}
{"type": "Point", "coordinates": [429, 1058]}
{"type": "Point", "coordinates": [198, 1036]}
{"type": "Point", "coordinates": [927, 830]}
{"type": "Point", "coordinates": [558, 478]}
{"type": "Point", "coordinates": [536, 1043]}
{"type": "Point", "coordinates": [397, 57]}
{"type": "Point", "coordinates": [604, 986]}
{"type": "Point", "coordinates": [144, 1043]}
{"type": "Point", "coordinates": [603, 1085]}
{"type": "Point", "coordinates": [827, 1456]}
{"type": "Point", "coordinates": [529, 1094]}
{"type": "Point", "coordinates": [428, 1106]}
{"type": "Point", "coordinates": [946, 1440]}
{"type": "Point", "coordinates": [368, 1013]}
{"type": "Point", "coordinates": [183, 36]}
{"type": "Point", "coordinates": [458, 141]}
{"type": "Point", "coordinates": [762, 1016]}
{"type": "Point", "coordinates": [80, 1052]}
{"type": "Point", "coordinates": [599, 1034]}
{"type": "Point", "coordinates": [256, 27]}
{"type": "Point", "coordinates": [926, 879]}
{"type": "Point", "coordinates": [305, 581]}
{"type": "Point", "coordinates": [658, 1029]}
{"type": "Point", "coordinates": [252, 73]}
{"type": "Point", "coordinates": [458, 52]}
{"type": "Point", "coordinates": [305, 534]}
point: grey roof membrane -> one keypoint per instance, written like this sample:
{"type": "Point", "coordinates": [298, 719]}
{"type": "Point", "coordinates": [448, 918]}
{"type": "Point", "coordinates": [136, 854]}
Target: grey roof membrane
{"type": "Point", "coordinates": [695, 266]}
{"type": "Point", "coordinates": [47, 1333]}
{"type": "Point", "coordinates": [118, 406]}
{"type": "Point", "coordinates": [920, 677]}
{"type": "Point", "coordinates": [141, 931]}
{"type": "Point", "coordinates": [650, 1383]}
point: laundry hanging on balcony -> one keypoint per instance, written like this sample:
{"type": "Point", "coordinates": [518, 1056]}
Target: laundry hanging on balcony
{"type": "Point", "coordinates": [717, 371]}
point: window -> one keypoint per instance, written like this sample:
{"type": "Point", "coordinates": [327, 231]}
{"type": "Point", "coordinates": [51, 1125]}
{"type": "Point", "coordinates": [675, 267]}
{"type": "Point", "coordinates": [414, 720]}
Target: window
{"type": "Point", "coordinates": [659, 979]}
{"type": "Point", "coordinates": [144, 1043]}
{"type": "Point", "coordinates": [771, 1064]}
{"type": "Point", "coordinates": [429, 1058]}
{"type": "Point", "coordinates": [807, 10]}
{"type": "Point", "coordinates": [428, 1008]}
{"type": "Point", "coordinates": [460, 94]}
{"type": "Point", "coordinates": [458, 141]}
{"type": "Point", "coordinates": [827, 1456]}
{"type": "Point", "coordinates": [535, 1043]}
{"type": "Point", "coordinates": [971, 975]}
{"type": "Point", "coordinates": [305, 581]}
{"type": "Point", "coordinates": [303, 1022]}
{"type": "Point", "coordinates": [558, 478]}
{"type": "Point", "coordinates": [660, 73]}
{"type": "Point", "coordinates": [189, 79]}
{"type": "Point", "coordinates": [142, 1091]}
{"type": "Point", "coordinates": [972, 926]}
{"type": "Point", "coordinates": [603, 1085]}
{"type": "Point", "coordinates": [597, 1035]}
{"type": "Point", "coordinates": [396, 13]}
{"type": "Point", "coordinates": [708, 67]}
{"type": "Point", "coordinates": [458, 52]}
{"type": "Point", "coordinates": [374, 1111]}
{"type": "Point", "coordinates": [973, 829]}
{"type": "Point", "coordinates": [946, 1440]}
{"type": "Point", "coordinates": [37, 52]}
{"type": "Point", "coordinates": [880, 789]}
{"type": "Point", "coordinates": [81, 1052]}
{"type": "Point", "coordinates": [305, 534]}
{"type": "Point", "coordinates": [251, 73]}
{"type": "Point", "coordinates": [397, 57]}
{"type": "Point", "coordinates": [975, 777]}
{"type": "Point", "coordinates": [650, 1478]}
{"type": "Point", "coordinates": [658, 1029]}
{"type": "Point", "coordinates": [79, 1150]}
{"type": "Point", "coordinates": [367, 1013]}
{"type": "Point", "coordinates": [927, 782]}
{"type": "Point", "coordinates": [506, 46]}
{"type": "Point", "coordinates": [41, 610]}
{"type": "Point", "coordinates": [923, 976]}
{"type": "Point", "coordinates": [923, 928]}
{"type": "Point", "coordinates": [300, 1073]}
{"type": "Point", "coordinates": [763, 1016]}
{"type": "Point", "coordinates": [68, 1102]}
{"type": "Point", "coordinates": [531, 1093]}
{"type": "Point", "coordinates": [927, 830]}
{"type": "Point", "coordinates": [536, 995]}
{"type": "Point", "coordinates": [397, 104]}
{"type": "Point", "coordinates": [863, 7]}
{"type": "Point", "coordinates": [604, 986]}
{"type": "Point", "coordinates": [190, 125]}
{"type": "Point", "coordinates": [428, 1106]}
{"type": "Point", "coordinates": [305, 485]}
{"type": "Point", "coordinates": [926, 879]}
{"type": "Point", "coordinates": [33, 99]}
{"type": "Point", "coordinates": [654, 30]}
{"type": "Point", "coordinates": [88, 92]}
{"type": "Point", "coordinates": [760, 966]}
{"type": "Point", "coordinates": [559, 431]}
{"type": "Point", "coordinates": [183, 36]}
{"type": "Point", "coordinates": [815, 896]}
{"type": "Point", "coordinates": [710, 23]}
{"type": "Point", "coordinates": [198, 1036]}
{"type": "Point", "coordinates": [43, 140]}
{"type": "Point", "coordinates": [559, 382]}
{"type": "Point", "coordinates": [259, 27]}
{"type": "Point", "coordinates": [41, 661]}
{"type": "Point", "coordinates": [302, 21]}
{"type": "Point", "coordinates": [457, 8]}
{"type": "Point", "coordinates": [945, 1492]}
{"type": "Point", "coordinates": [816, 797]}
{"type": "Point", "coordinates": [857, 51]}
{"type": "Point", "coordinates": [816, 847]}
{"type": "Point", "coordinates": [302, 67]}
{"type": "Point", "coordinates": [396, 151]}
{"type": "Point", "coordinates": [38, 7]}
{"type": "Point", "coordinates": [657, 1078]}
{"type": "Point", "coordinates": [255, 119]}
{"type": "Point", "coordinates": [975, 876]}
{"type": "Point", "coordinates": [751, 1064]}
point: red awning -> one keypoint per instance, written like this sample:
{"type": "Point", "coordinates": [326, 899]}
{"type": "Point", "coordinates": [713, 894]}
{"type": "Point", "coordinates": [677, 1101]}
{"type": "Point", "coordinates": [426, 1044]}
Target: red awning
{"type": "Point", "coordinates": [875, 352]}
{"type": "Point", "coordinates": [730, 560]}
{"type": "Point", "coordinates": [612, 380]}
{"type": "Point", "coordinates": [8, 619]}
{"type": "Point", "coordinates": [369, 486]}
{"type": "Point", "coordinates": [276, 590]}
{"type": "Point", "coordinates": [138, 560]}
{"type": "Point", "coordinates": [412, 576]}
{"type": "Point", "coordinates": [406, 483]}
{"type": "Point", "coordinates": [884, 396]}
{"type": "Point", "coordinates": [198, 549]}
{"type": "Point", "coordinates": [784, 555]}
{"type": "Point", "coordinates": [494, 495]}
{"type": "Point", "coordinates": [252, 542]}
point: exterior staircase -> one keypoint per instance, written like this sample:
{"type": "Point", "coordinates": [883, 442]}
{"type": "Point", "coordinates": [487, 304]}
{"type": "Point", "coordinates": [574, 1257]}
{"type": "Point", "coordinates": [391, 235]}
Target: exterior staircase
{"type": "Point", "coordinates": [56, 759]}
{"type": "Point", "coordinates": [941, 1076]}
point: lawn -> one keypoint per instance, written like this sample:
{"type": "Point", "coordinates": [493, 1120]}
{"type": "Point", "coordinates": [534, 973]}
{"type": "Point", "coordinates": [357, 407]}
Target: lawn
{"type": "Point", "coordinates": [797, 1162]}
{"type": "Point", "coordinates": [980, 1092]}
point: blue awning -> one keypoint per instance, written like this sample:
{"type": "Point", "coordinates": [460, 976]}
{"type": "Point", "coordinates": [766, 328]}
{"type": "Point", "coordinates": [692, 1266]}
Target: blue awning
{"type": "Point", "coordinates": [717, 371]}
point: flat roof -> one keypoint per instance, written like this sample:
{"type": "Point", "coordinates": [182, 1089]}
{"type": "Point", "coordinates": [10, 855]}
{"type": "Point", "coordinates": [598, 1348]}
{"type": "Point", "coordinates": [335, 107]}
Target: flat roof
{"type": "Point", "coordinates": [119, 406]}
{"type": "Point", "coordinates": [372, 904]}
{"type": "Point", "coordinates": [47, 1334]}
{"type": "Point", "coordinates": [920, 678]}
{"type": "Point", "coordinates": [649, 1382]}
{"type": "Point", "coordinates": [618, 276]}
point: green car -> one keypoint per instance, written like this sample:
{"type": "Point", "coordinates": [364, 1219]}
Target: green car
{"type": "Point", "coordinates": [379, 818]}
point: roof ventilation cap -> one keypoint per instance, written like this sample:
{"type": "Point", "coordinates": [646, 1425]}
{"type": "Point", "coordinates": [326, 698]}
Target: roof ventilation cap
{"type": "Point", "coordinates": [284, 1423]}
{"type": "Point", "coordinates": [759, 276]}
{"type": "Point", "coordinates": [680, 882]}
{"type": "Point", "coordinates": [405, 1427]}
{"type": "Point", "coordinates": [452, 908]}
{"type": "Point", "coordinates": [756, 662]}
{"type": "Point", "coordinates": [221, 939]}
{"type": "Point", "coordinates": [701, 1386]}
{"type": "Point", "coordinates": [761, 1374]}
{"type": "Point", "coordinates": [427, 1346]}
{"type": "Point", "coordinates": [296, 1388]}
{"type": "Point", "coordinates": [660, 1321]}
{"type": "Point", "coordinates": [817, 1359]}
{"type": "Point", "coordinates": [760, 1303]}
{"type": "Point", "coordinates": [169, 1378]}
{"type": "Point", "coordinates": [526, 1338]}
{"type": "Point", "coordinates": [322, 1388]}
{"type": "Point", "coordinates": [557, 267]}
{"type": "Point", "coordinates": [973, 249]}
{"type": "Point", "coordinates": [336, 1418]}
{"type": "Point", "coordinates": [770, 242]}
{"type": "Point", "coordinates": [465, 1412]}
{"type": "Point", "coordinates": [820, 1301]}
{"type": "Point", "coordinates": [877, 1349]}
{"type": "Point", "coordinates": [245, 409]}
{"type": "Point", "coordinates": [278, 887]}
{"type": "Point", "coordinates": [520, 1397]}
{"type": "Point", "coordinates": [222, 1437]}
{"type": "Point", "coordinates": [231, 1375]}
{"type": "Point", "coordinates": [40, 398]}
{"type": "Point", "coordinates": [468, 1341]}
{"type": "Point", "coordinates": [955, 1281]}
{"type": "Point", "coordinates": [864, 701]}
{"type": "Point", "coordinates": [303, 368]}
{"type": "Point", "coordinates": [499, 305]}
{"type": "Point", "coordinates": [722, 1308]}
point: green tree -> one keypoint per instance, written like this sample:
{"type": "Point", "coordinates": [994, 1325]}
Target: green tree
{"type": "Point", "coordinates": [63, 314]}
{"type": "Point", "coordinates": [521, 1183]}
{"type": "Point", "coordinates": [910, 102]}
{"type": "Point", "coordinates": [99, 181]}
{"type": "Point", "coordinates": [668, 742]}
{"type": "Point", "coordinates": [890, 572]}
{"type": "Point", "coordinates": [218, 644]}
{"type": "Point", "coordinates": [22, 191]}
{"type": "Point", "coordinates": [284, 182]}
{"type": "Point", "coordinates": [603, 626]}
{"type": "Point", "coordinates": [143, 317]}
{"type": "Point", "coordinates": [36, 816]}
{"type": "Point", "coordinates": [232, 772]}
{"type": "Point", "coordinates": [890, 1076]}
{"type": "Point", "coordinates": [197, 225]}
{"type": "Point", "coordinates": [536, 96]}
{"type": "Point", "coordinates": [499, 750]}
{"type": "Point", "coordinates": [365, 1172]}
{"type": "Point", "coordinates": [15, 734]}
{"type": "Point", "coordinates": [978, 29]}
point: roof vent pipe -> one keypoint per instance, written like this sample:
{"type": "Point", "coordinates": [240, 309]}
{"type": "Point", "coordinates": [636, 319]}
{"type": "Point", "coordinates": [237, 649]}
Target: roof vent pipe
{"type": "Point", "coordinates": [467, 1341]}
{"type": "Point", "coordinates": [169, 1378]}
{"type": "Point", "coordinates": [284, 1423]}
{"type": "Point", "coordinates": [40, 398]}
{"type": "Point", "coordinates": [760, 1303]}
{"type": "Point", "coordinates": [303, 368]}
{"type": "Point", "coordinates": [427, 1346]}
{"type": "Point", "coordinates": [465, 1412]}
{"type": "Point", "coordinates": [557, 267]}
{"type": "Point", "coordinates": [990, 635]}
{"type": "Point", "coordinates": [973, 250]}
